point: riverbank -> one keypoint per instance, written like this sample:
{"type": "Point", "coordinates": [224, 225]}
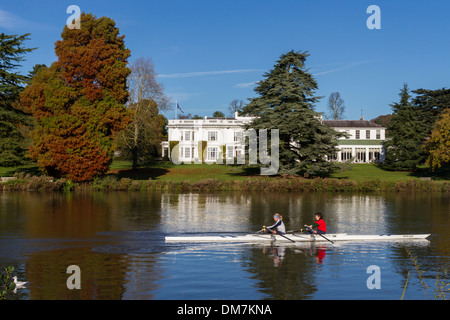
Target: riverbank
{"type": "Point", "coordinates": [203, 178]}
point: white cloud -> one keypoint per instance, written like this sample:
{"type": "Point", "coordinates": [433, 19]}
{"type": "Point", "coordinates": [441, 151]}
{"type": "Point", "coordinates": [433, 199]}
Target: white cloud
{"type": "Point", "coordinates": [246, 84]}
{"type": "Point", "coordinates": [9, 20]}
{"type": "Point", "coordinates": [344, 66]}
{"type": "Point", "coordinates": [339, 67]}
{"type": "Point", "coordinates": [205, 73]}
{"type": "Point", "coordinates": [182, 96]}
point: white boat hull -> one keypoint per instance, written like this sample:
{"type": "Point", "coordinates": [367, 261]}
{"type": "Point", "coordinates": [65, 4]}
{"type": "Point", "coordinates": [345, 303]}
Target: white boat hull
{"type": "Point", "coordinates": [295, 237]}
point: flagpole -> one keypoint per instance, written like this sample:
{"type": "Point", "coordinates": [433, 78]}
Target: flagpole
{"type": "Point", "coordinates": [176, 107]}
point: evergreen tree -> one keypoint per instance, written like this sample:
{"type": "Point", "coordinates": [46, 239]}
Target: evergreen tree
{"type": "Point", "coordinates": [78, 103]}
{"type": "Point", "coordinates": [35, 70]}
{"type": "Point", "coordinates": [286, 102]}
{"type": "Point", "coordinates": [218, 114]}
{"type": "Point", "coordinates": [430, 104]}
{"type": "Point", "coordinates": [12, 148]}
{"type": "Point", "coordinates": [406, 129]}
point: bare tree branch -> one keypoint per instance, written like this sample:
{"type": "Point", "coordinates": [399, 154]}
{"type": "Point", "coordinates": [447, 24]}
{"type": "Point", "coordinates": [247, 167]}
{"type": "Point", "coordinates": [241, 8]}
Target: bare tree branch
{"type": "Point", "coordinates": [336, 106]}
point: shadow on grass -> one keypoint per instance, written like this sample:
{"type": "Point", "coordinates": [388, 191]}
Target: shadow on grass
{"type": "Point", "coordinates": [246, 171]}
{"type": "Point", "coordinates": [29, 169]}
{"type": "Point", "coordinates": [425, 172]}
{"type": "Point", "coordinates": [187, 171]}
{"type": "Point", "coordinates": [139, 174]}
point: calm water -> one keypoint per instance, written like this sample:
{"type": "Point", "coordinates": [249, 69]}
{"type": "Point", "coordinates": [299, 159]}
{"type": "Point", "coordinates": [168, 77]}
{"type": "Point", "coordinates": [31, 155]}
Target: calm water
{"type": "Point", "coordinates": [117, 240]}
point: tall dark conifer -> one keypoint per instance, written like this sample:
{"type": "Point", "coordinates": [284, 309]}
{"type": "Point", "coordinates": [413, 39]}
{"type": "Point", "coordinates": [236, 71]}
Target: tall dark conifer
{"type": "Point", "coordinates": [286, 102]}
{"type": "Point", "coordinates": [431, 104]}
{"type": "Point", "coordinates": [12, 149]}
{"type": "Point", "coordinates": [406, 129]}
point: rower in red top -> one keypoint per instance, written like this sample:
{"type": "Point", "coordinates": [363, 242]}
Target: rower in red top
{"type": "Point", "coordinates": [319, 226]}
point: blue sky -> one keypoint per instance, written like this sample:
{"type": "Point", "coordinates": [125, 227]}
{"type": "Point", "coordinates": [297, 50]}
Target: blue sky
{"type": "Point", "coordinates": [208, 53]}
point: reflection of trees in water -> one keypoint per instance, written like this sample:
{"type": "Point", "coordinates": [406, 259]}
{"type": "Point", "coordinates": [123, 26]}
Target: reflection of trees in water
{"type": "Point", "coordinates": [285, 272]}
{"type": "Point", "coordinates": [102, 276]}
{"type": "Point", "coordinates": [62, 229]}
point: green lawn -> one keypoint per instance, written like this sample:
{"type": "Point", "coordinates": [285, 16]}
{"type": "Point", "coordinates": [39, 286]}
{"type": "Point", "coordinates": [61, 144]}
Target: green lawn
{"type": "Point", "coordinates": [195, 172]}
{"type": "Point", "coordinates": [365, 172]}
{"type": "Point", "coordinates": [192, 172]}
{"type": "Point", "coordinates": [9, 171]}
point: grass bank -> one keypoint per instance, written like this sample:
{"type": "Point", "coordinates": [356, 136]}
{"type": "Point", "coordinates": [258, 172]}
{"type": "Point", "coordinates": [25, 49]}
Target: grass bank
{"type": "Point", "coordinates": [204, 178]}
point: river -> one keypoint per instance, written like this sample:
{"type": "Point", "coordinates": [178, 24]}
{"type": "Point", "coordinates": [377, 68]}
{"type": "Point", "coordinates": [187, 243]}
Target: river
{"type": "Point", "coordinates": [117, 241]}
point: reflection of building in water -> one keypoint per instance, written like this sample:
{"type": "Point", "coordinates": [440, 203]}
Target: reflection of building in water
{"type": "Point", "coordinates": [357, 214]}
{"type": "Point", "coordinates": [205, 212]}
{"type": "Point", "coordinates": [236, 212]}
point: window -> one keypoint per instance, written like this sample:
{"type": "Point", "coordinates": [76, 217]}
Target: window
{"type": "Point", "coordinates": [187, 135]}
{"type": "Point", "coordinates": [230, 152]}
{"type": "Point", "coordinates": [212, 135]}
{"type": "Point", "coordinates": [347, 132]}
{"type": "Point", "coordinates": [378, 134]}
{"type": "Point", "coordinates": [368, 134]}
{"type": "Point", "coordinates": [237, 136]}
{"type": "Point", "coordinates": [346, 154]}
{"type": "Point", "coordinates": [358, 135]}
{"type": "Point", "coordinates": [374, 154]}
{"type": "Point", "coordinates": [212, 154]}
{"type": "Point", "coordinates": [360, 155]}
{"type": "Point", "coordinates": [187, 153]}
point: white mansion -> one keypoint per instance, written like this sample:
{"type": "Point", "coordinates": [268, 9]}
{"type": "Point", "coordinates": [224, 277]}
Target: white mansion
{"type": "Point", "coordinates": [222, 139]}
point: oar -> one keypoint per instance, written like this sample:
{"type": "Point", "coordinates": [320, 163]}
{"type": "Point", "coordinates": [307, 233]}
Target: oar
{"type": "Point", "coordinates": [281, 235]}
{"type": "Point", "coordinates": [320, 235]}
{"type": "Point", "coordinates": [286, 238]}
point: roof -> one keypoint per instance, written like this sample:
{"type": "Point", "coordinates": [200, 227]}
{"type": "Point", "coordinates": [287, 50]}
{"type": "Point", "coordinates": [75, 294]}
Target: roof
{"type": "Point", "coordinates": [347, 142]}
{"type": "Point", "coordinates": [352, 124]}
{"type": "Point", "coordinates": [218, 118]}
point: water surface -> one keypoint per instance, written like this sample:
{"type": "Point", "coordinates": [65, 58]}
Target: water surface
{"type": "Point", "coordinates": [117, 240]}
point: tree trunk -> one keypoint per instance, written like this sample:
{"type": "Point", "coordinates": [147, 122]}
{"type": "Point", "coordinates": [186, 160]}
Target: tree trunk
{"type": "Point", "coordinates": [135, 150]}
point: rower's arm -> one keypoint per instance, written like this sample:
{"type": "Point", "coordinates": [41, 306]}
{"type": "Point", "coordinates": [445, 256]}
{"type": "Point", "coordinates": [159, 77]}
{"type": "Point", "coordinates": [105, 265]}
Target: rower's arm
{"type": "Point", "coordinates": [276, 224]}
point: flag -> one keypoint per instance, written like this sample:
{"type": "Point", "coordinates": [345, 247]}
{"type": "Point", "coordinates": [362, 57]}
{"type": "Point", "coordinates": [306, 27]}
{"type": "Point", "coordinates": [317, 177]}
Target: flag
{"type": "Point", "coordinates": [178, 107]}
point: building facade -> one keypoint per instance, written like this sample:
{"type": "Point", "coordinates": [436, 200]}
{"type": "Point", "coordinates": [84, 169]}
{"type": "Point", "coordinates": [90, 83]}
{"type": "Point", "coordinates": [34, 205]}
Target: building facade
{"type": "Point", "coordinates": [221, 140]}
{"type": "Point", "coordinates": [364, 141]}
{"type": "Point", "coordinates": [205, 140]}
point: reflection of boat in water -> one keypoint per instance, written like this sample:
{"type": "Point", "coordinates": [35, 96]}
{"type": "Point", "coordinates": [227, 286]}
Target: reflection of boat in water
{"type": "Point", "coordinates": [295, 237]}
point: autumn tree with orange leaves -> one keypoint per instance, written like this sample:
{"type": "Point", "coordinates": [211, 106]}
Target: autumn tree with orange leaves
{"type": "Point", "coordinates": [78, 103]}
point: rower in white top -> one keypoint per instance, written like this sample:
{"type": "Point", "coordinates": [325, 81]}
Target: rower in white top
{"type": "Point", "coordinates": [277, 227]}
